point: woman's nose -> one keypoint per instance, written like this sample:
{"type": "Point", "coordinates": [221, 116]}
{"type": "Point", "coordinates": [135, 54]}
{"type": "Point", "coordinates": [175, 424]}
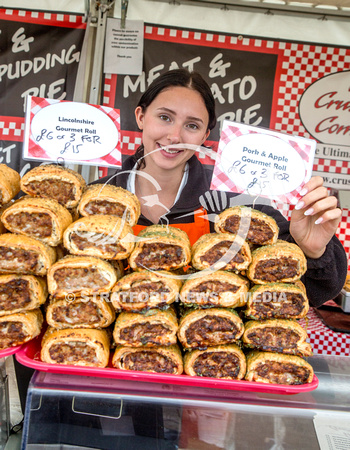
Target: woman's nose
{"type": "Point", "coordinates": [174, 135]}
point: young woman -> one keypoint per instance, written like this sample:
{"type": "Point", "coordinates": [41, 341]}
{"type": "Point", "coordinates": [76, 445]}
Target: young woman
{"type": "Point", "coordinates": [173, 186]}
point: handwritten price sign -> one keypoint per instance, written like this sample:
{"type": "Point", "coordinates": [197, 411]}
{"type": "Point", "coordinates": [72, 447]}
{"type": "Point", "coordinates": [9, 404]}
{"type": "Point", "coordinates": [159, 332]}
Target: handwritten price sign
{"type": "Point", "coordinates": [71, 131]}
{"type": "Point", "coordinates": [262, 162]}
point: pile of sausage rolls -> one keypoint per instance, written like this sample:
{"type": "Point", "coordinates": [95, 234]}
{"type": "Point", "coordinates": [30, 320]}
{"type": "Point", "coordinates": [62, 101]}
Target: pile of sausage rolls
{"type": "Point", "coordinates": [72, 268]}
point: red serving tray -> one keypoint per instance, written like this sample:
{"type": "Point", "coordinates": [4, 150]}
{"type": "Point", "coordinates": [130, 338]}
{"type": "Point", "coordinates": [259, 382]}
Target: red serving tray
{"type": "Point", "coordinates": [29, 355]}
{"type": "Point", "coordinates": [9, 351]}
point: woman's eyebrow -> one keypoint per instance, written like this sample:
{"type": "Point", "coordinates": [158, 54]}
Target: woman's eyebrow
{"type": "Point", "coordinates": [164, 109]}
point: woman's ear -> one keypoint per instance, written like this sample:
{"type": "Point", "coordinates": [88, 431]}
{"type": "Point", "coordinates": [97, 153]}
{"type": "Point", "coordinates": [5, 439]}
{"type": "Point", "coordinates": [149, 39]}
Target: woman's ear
{"type": "Point", "coordinates": [206, 136]}
{"type": "Point", "coordinates": [139, 115]}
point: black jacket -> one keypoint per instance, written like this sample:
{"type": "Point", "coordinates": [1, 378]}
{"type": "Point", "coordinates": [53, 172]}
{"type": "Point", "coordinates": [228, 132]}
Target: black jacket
{"type": "Point", "coordinates": [325, 276]}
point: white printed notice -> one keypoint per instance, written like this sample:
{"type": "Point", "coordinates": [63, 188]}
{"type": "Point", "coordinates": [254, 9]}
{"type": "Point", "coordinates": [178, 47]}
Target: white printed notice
{"type": "Point", "coordinates": [73, 132]}
{"type": "Point", "coordinates": [333, 431]}
{"type": "Point", "coordinates": [124, 47]}
{"type": "Point", "coordinates": [261, 162]}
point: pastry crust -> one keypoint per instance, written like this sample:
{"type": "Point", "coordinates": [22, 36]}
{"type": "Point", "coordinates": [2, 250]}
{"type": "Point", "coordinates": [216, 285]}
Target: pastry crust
{"type": "Point", "coordinates": [161, 247]}
{"type": "Point", "coordinates": [220, 288]}
{"type": "Point", "coordinates": [282, 262]}
{"type": "Point", "coordinates": [252, 225]}
{"type": "Point", "coordinates": [144, 290]}
{"type": "Point", "coordinates": [40, 218]}
{"type": "Point", "coordinates": [80, 276]}
{"type": "Point", "coordinates": [82, 312]}
{"type": "Point", "coordinates": [18, 328]}
{"type": "Point", "coordinates": [77, 347]}
{"type": "Point", "coordinates": [107, 199]}
{"type": "Point", "coordinates": [154, 327]}
{"type": "Point", "coordinates": [277, 368]}
{"type": "Point", "coordinates": [223, 251]}
{"type": "Point", "coordinates": [21, 293]}
{"type": "Point", "coordinates": [277, 335]}
{"type": "Point", "coordinates": [52, 181]}
{"type": "Point", "coordinates": [222, 361]}
{"type": "Point", "coordinates": [158, 359]}
{"type": "Point", "coordinates": [9, 184]}
{"type": "Point", "coordinates": [107, 237]}
{"type": "Point", "coordinates": [278, 301]}
{"type": "Point", "coordinates": [202, 328]}
{"type": "Point", "coordinates": [25, 255]}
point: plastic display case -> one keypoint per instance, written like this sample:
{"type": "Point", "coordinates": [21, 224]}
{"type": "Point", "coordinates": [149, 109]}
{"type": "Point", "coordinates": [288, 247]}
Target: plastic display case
{"type": "Point", "coordinates": [81, 412]}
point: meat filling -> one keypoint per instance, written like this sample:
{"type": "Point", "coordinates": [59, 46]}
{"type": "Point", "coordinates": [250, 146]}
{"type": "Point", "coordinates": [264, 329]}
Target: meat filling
{"type": "Point", "coordinates": [38, 225]}
{"type": "Point", "coordinates": [259, 232]}
{"type": "Point", "coordinates": [274, 339]}
{"type": "Point", "coordinates": [61, 191]}
{"type": "Point", "coordinates": [14, 294]}
{"type": "Point", "coordinates": [208, 291]}
{"type": "Point", "coordinates": [87, 240]}
{"type": "Point", "coordinates": [87, 313]}
{"type": "Point", "coordinates": [106, 208]}
{"type": "Point", "coordinates": [150, 361]}
{"type": "Point", "coordinates": [283, 373]}
{"type": "Point", "coordinates": [217, 365]}
{"type": "Point", "coordinates": [146, 333]}
{"type": "Point", "coordinates": [15, 259]}
{"type": "Point", "coordinates": [158, 255]}
{"type": "Point", "coordinates": [211, 330]}
{"type": "Point", "coordinates": [11, 334]}
{"type": "Point", "coordinates": [73, 278]}
{"type": "Point", "coordinates": [73, 352]}
{"type": "Point", "coordinates": [272, 270]}
{"type": "Point", "coordinates": [291, 306]}
{"type": "Point", "coordinates": [141, 292]}
{"type": "Point", "coordinates": [223, 250]}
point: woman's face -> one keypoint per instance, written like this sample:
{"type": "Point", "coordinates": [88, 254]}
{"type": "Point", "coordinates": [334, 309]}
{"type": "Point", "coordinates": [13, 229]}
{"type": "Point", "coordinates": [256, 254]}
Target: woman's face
{"type": "Point", "coordinates": [178, 115]}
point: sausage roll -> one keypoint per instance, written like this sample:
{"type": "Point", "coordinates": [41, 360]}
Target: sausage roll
{"type": "Point", "coordinates": [40, 218]}
{"type": "Point", "coordinates": [161, 247]}
{"type": "Point", "coordinates": [107, 237]}
{"type": "Point", "coordinates": [154, 327]}
{"type": "Point", "coordinates": [221, 251]}
{"type": "Point", "coordinates": [9, 184]}
{"type": "Point", "coordinates": [77, 347]}
{"type": "Point", "coordinates": [277, 368]}
{"type": "Point", "coordinates": [281, 262]}
{"type": "Point", "coordinates": [52, 181]}
{"type": "Point", "coordinates": [18, 328]}
{"type": "Point", "coordinates": [252, 225]}
{"type": "Point", "coordinates": [158, 359]}
{"type": "Point", "coordinates": [144, 289]}
{"type": "Point", "coordinates": [277, 335]}
{"type": "Point", "coordinates": [80, 275]}
{"type": "Point", "coordinates": [81, 312]}
{"type": "Point", "coordinates": [202, 328]}
{"type": "Point", "coordinates": [221, 361]}
{"type": "Point", "coordinates": [220, 288]}
{"type": "Point", "coordinates": [25, 255]}
{"type": "Point", "coordinates": [278, 301]}
{"type": "Point", "coordinates": [21, 293]}
{"type": "Point", "coordinates": [107, 199]}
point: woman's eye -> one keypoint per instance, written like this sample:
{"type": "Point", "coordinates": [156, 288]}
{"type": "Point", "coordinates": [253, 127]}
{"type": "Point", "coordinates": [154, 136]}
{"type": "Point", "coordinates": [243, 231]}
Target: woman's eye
{"type": "Point", "coordinates": [164, 117]}
{"type": "Point", "coordinates": [193, 126]}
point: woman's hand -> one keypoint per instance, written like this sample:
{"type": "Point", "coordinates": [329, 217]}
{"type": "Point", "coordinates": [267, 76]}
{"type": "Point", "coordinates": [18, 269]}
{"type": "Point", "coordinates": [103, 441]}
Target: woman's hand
{"type": "Point", "coordinates": [315, 218]}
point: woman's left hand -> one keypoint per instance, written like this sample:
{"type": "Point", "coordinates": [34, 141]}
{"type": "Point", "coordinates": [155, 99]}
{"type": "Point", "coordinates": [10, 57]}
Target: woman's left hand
{"type": "Point", "coordinates": [315, 218]}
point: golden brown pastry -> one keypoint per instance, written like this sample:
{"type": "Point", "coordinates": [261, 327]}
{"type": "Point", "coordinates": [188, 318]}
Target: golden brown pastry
{"type": "Point", "coordinates": [154, 327]}
{"type": "Point", "coordinates": [201, 328]}
{"type": "Point", "coordinates": [18, 328]}
{"type": "Point", "coordinates": [221, 361]}
{"type": "Point", "coordinates": [52, 181]}
{"type": "Point", "coordinates": [107, 237]}
{"type": "Point", "coordinates": [278, 301]}
{"type": "Point", "coordinates": [277, 335]}
{"type": "Point", "coordinates": [252, 225]}
{"type": "Point", "coordinates": [25, 255]}
{"type": "Point", "coordinates": [144, 289]}
{"type": "Point", "coordinates": [92, 311]}
{"type": "Point", "coordinates": [77, 347]}
{"type": "Point", "coordinates": [113, 200]}
{"type": "Point", "coordinates": [281, 262]}
{"type": "Point", "coordinates": [161, 247]}
{"type": "Point", "coordinates": [40, 218]}
{"type": "Point", "coordinates": [267, 367]}
{"type": "Point", "coordinates": [80, 276]}
{"type": "Point", "coordinates": [21, 293]}
{"type": "Point", "coordinates": [158, 359]}
{"type": "Point", "coordinates": [9, 184]}
{"type": "Point", "coordinates": [223, 251]}
{"type": "Point", "coordinates": [218, 288]}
